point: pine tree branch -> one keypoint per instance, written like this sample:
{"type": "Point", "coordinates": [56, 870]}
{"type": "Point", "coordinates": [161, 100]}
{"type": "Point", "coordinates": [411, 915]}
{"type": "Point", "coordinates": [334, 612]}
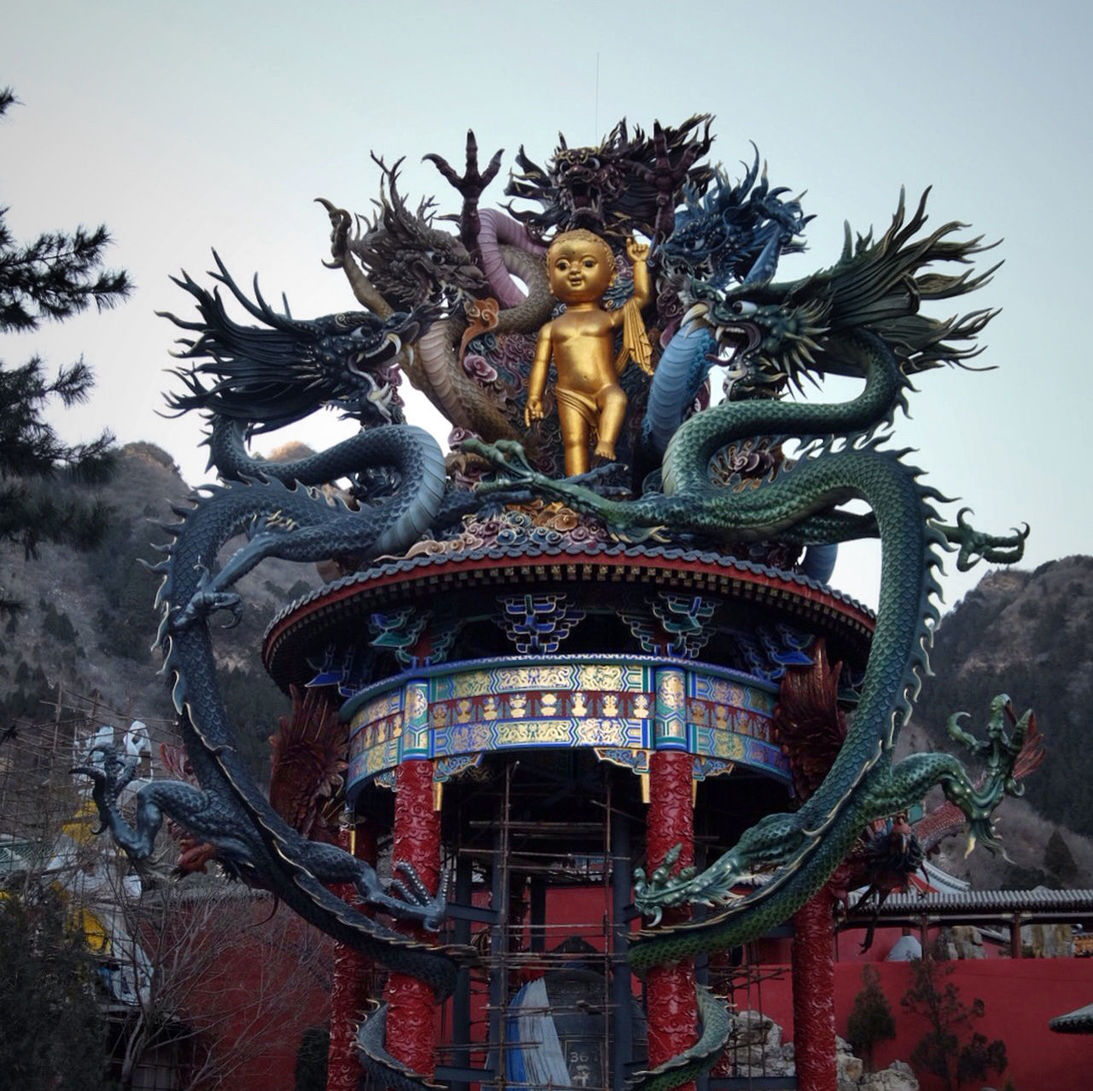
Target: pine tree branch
{"type": "Point", "coordinates": [53, 277]}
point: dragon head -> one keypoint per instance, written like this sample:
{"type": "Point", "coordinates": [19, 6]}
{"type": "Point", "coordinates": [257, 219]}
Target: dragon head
{"type": "Point", "coordinates": [410, 261]}
{"type": "Point", "coordinates": [575, 189]}
{"type": "Point", "coordinates": [586, 179]}
{"type": "Point", "coordinates": [360, 358]}
{"type": "Point", "coordinates": [735, 232]}
{"type": "Point", "coordinates": [617, 187]}
{"type": "Point", "coordinates": [271, 375]}
{"type": "Point", "coordinates": [762, 343]}
{"type": "Point", "coordinates": [776, 333]}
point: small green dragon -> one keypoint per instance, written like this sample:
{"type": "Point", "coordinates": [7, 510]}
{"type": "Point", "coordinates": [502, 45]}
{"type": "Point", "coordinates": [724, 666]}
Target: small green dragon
{"type": "Point", "coordinates": [858, 318]}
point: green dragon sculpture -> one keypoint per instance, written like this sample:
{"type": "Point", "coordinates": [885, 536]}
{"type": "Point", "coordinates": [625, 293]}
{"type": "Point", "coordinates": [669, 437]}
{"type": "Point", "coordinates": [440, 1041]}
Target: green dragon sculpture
{"type": "Point", "coordinates": [859, 318]}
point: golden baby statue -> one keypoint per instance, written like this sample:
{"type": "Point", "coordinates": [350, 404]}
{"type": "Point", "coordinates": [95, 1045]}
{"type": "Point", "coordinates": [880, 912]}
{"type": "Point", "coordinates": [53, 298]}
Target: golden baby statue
{"type": "Point", "coordinates": [581, 267]}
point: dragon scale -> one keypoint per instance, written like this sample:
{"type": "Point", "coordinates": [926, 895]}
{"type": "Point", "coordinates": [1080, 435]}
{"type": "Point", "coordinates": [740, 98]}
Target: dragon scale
{"type": "Point", "coordinates": [902, 512]}
{"type": "Point", "coordinates": [804, 847]}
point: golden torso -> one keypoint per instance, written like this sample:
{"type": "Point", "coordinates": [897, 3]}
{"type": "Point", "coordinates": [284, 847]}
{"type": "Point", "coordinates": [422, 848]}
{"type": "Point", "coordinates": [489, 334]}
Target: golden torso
{"type": "Point", "coordinates": [582, 349]}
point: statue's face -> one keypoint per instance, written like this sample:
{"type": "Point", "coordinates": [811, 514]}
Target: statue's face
{"type": "Point", "coordinates": [579, 271]}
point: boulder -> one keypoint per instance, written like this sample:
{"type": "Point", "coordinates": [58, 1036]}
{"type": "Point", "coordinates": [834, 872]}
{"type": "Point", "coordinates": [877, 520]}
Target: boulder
{"type": "Point", "coordinates": [848, 1068]}
{"type": "Point", "coordinates": [896, 1077]}
{"type": "Point", "coordinates": [753, 1028]}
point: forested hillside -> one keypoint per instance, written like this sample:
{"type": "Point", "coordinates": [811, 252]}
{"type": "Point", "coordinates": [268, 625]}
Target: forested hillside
{"type": "Point", "coordinates": [86, 625]}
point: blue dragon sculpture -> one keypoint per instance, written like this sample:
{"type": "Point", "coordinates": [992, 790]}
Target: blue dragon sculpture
{"type": "Point", "coordinates": [450, 313]}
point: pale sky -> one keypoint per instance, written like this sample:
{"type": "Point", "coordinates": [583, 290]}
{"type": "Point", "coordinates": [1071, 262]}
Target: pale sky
{"type": "Point", "coordinates": [185, 127]}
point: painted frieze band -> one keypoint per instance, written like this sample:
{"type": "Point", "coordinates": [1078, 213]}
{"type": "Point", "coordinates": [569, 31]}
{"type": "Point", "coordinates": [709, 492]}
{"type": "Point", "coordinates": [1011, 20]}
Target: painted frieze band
{"type": "Point", "coordinates": [621, 708]}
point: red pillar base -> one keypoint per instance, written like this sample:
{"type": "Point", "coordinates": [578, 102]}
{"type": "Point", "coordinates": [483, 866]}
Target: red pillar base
{"type": "Point", "coordinates": [673, 1011]}
{"type": "Point", "coordinates": [411, 1007]}
{"type": "Point", "coordinates": [814, 994]}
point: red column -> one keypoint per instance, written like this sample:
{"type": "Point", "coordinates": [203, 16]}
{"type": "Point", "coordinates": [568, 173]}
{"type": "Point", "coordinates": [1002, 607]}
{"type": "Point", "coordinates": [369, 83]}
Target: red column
{"type": "Point", "coordinates": [814, 994]}
{"type": "Point", "coordinates": [411, 1006]}
{"type": "Point", "coordinates": [670, 988]}
{"type": "Point", "coordinates": [349, 991]}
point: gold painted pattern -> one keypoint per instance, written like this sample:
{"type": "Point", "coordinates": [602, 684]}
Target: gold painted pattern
{"type": "Point", "coordinates": [526, 733]}
{"type": "Point", "coordinates": [387, 704]}
{"type": "Point", "coordinates": [670, 689]}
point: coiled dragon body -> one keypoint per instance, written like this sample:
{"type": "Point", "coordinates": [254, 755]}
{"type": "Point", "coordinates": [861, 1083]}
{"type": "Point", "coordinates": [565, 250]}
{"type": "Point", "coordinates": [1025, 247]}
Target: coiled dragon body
{"type": "Point", "coordinates": [229, 810]}
{"type": "Point", "coordinates": [860, 318]}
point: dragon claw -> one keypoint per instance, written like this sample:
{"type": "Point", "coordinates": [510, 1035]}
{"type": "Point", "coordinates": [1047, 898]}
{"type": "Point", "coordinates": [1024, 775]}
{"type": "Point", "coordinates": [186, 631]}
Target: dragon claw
{"type": "Point", "coordinates": [113, 772]}
{"type": "Point", "coordinates": [95, 774]}
{"type": "Point", "coordinates": [1002, 751]}
{"type": "Point", "coordinates": [408, 898]}
{"type": "Point", "coordinates": [508, 457]}
{"type": "Point", "coordinates": [975, 546]}
{"type": "Point", "coordinates": [340, 222]}
{"type": "Point", "coordinates": [473, 181]}
{"type": "Point", "coordinates": [100, 790]}
{"type": "Point", "coordinates": [205, 601]}
{"type": "Point", "coordinates": [662, 889]}
{"type": "Point", "coordinates": [233, 603]}
{"type": "Point", "coordinates": [108, 779]}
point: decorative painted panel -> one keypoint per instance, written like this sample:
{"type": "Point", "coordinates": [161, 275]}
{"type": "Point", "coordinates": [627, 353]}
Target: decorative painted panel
{"type": "Point", "coordinates": [623, 709]}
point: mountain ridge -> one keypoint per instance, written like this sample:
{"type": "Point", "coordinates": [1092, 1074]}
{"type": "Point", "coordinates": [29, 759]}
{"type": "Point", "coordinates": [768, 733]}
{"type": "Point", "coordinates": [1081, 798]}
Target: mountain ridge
{"type": "Point", "coordinates": [1027, 633]}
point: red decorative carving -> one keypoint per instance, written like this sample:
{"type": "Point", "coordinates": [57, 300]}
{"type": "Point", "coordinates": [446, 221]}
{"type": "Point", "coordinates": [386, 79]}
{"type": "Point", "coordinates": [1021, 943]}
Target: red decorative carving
{"type": "Point", "coordinates": [670, 988]}
{"type": "Point", "coordinates": [307, 765]}
{"type": "Point", "coordinates": [808, 723]}
{"type": "Point", "coordinates": [670, 821]}
{"type": "Point", "coordinates": [814, 993]}
{"type": "Point", "coordinates": [410, 1002]}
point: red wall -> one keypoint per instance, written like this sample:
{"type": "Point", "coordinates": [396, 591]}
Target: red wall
{"type": "Point", "coordinates": [1021, 996]}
